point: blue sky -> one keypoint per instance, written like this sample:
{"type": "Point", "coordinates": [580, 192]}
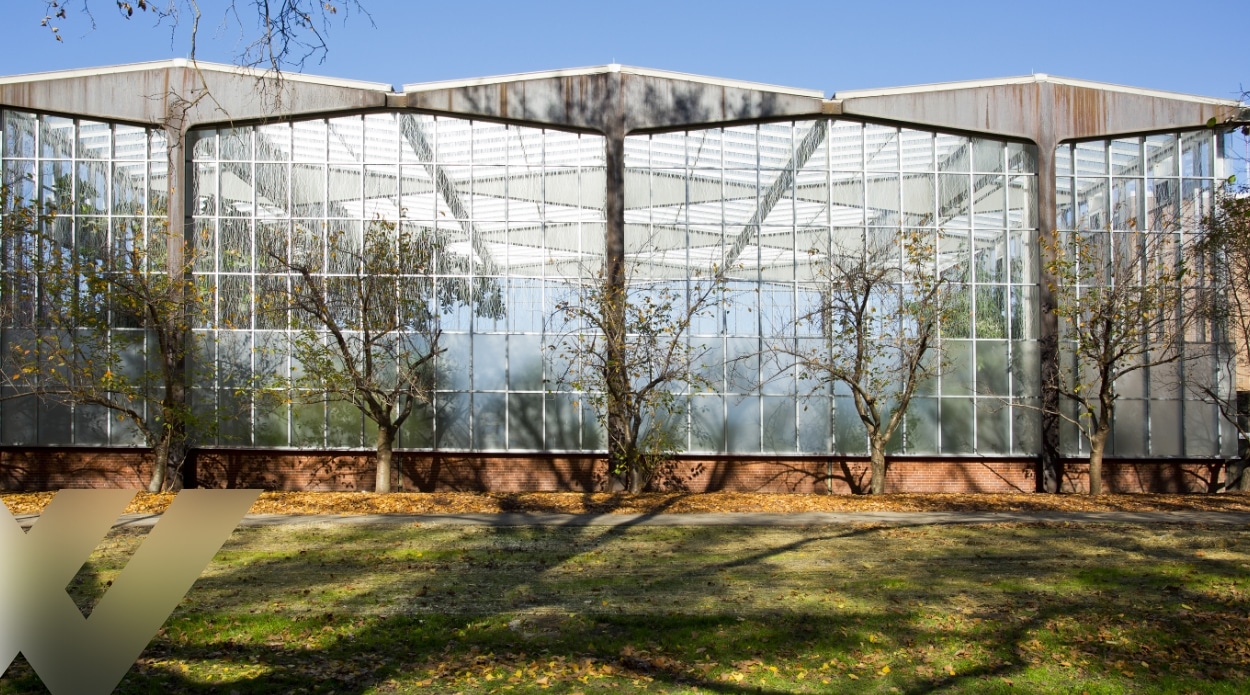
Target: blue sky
{"type": "Point", "coordinates": [1194, 47]}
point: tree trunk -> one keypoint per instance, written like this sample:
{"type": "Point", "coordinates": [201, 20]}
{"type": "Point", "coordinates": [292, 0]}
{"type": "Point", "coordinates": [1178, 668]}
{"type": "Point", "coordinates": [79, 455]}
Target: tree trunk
{"type": "Point", "coordinates": [635, 473]}
{"type": "Point", "coordinates": [168, 456]}
{"type": "Point", "coordinates": [877, 451]}
{"type": "Point", "coordinates": [1238, 472]}
{"type": "Point", "coordinates": [160, 465]}
{"type": "Point", "coordinates": [1097, 444]}
{"type": "Point", "coordinates": [386, 447]}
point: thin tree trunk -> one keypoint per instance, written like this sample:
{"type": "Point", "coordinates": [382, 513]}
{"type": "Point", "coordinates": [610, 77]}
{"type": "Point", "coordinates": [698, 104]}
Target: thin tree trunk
{"type": "Point", "coordinates": [386, 447]}
{"type": "Point", "coordinates": [1097, 444]}
{"type": "Point", "coordinates": [877, 452]}
{"type": "Point", "coordinates": [635, 473]}
{"type": "Point", "coordinates": [160, 465]}
{"type": "Point", "coordinates": [168, 456]}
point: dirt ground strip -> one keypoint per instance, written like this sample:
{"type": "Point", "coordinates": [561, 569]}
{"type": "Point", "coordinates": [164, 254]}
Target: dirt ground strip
{"type": "Point", "coordinates": [671, 503]}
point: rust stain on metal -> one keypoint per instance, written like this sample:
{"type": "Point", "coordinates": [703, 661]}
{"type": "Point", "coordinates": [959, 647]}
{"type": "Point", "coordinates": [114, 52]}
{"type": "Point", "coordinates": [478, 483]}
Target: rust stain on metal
{"type": "Point", "coordinates": [1087, 111]}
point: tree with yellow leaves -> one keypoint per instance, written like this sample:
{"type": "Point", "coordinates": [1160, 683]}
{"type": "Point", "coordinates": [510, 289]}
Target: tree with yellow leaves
{"type": "Point", "coordinates": [1123, 306]}
{"type": "Point", "coordinates": [103, 320]}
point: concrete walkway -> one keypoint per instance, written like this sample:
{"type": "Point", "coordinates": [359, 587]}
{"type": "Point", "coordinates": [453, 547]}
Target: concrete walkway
{"type": "Point", "coordinates": [723, 519]}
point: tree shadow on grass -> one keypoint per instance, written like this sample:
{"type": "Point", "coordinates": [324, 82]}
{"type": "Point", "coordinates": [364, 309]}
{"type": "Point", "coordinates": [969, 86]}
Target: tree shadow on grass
{"type": "Point", "coordinates": [712, 610]}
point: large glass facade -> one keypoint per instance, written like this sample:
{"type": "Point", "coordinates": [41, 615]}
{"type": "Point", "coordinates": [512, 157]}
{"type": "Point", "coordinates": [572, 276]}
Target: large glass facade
{"type": "Point", "coordinates": [520, 215]}
{"type": "Point", "coordinates": [523, 210]}
{"type": "Point", "coordinates": [1162, 184]}
{"type": "Point", "coordinates": [107, 184]}
{"type": "Point", "coordinates": [768, 202]}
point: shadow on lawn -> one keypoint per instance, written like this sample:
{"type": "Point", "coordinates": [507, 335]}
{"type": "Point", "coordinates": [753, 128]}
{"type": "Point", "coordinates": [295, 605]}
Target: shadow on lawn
{"type": "Point", "coordinates": [1112, 617]}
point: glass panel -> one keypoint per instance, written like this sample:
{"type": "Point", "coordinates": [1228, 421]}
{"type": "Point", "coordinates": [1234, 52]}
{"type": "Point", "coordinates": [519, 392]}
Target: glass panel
{"type": "Point", "coordinates": [1165, 428]}
{"type": "Point", "coordinates": [743, 424]}
{"type": "Point", "coordinates": [1160, 158]}
{"type": "Point", "coordinates": [992, 372]}
{"type": "Point", "coordinates": [707, 416]}
{"type": "Point", "coordinates": [273, 142]}
{"type": "Point", "coordinates": [54, 423]}
{"type": "Point", "coordinates": [1025, 311]}
{"type": "Point", "coordinates": [1126, 157]}
{"type": "Point", "coordinates": [1128, 434]}
{"type": "Point", "coordinates": [452, 421]}
{"type": "Point", "coordinates": [993, 427]}
{"type": "Point", "coordinates": [525, 362]}
{"type": "Point", "coordinates": [1090, 158]}
{"type": "Point", "coordinates": [1162, 200]}
{"type": "Point", "coordinates": [525, 421]}
{"type": "Point", "coordinates": [779, 425]}
{"type": "Point", "coordinates": [957, 426]}
{"type": "Point", "coordinates": [91, 423]}
{"type": "Point", "coordinates": [56, 137]}
{"type": "Point", "coordinates": [488, 420]}
{"type": "Point", "coordinates": [1202, 425]}
{"type": "Point", "coordinates": [953, 153]}
{"type": "Point", "coordinates": [1026, 428]}
{"type": "Point", "coordinates": [130, 142]}
{"type": "Point", "coordinates": [987, 155]}
{"type": "Point", "coordinates": [1196, 153]}
{"type": "Point", "coordinates": [917, 150]}
{"type": "Point", "coordinates": [1092, 204]}
{"type": "Point", "coordinates": [957, 375]}
{"type": "Point", "coordinates": [849, 435]}
{"type": "Point", "coordinates": [881, 149]}
{"type": "Point", "coordinates": [1125, 203]}
{"type": "Point", "coordinates": [814, 420]}
{"type": "Point", "coordinates": [953, 201]}
{"type": "Point", "coordinates": [235, 144]}
{"type": "Point", "coordinates": [95, 140]}
{"type": "Point", "coordinates": [417, 432]}
{"type": "Point", "coordinates": [562, 424]}
{"type": "Point", "coordinates": [922, 426]}
{"type": "Point", "coordinates": [1022, 158]}
{"type": "Point", "coordinates": [346, 139]}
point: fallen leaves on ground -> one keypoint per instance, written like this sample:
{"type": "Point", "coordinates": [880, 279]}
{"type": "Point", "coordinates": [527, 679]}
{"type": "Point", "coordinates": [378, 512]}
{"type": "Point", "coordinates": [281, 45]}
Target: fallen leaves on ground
{"type": "Point", "coordinates": [353, 503]}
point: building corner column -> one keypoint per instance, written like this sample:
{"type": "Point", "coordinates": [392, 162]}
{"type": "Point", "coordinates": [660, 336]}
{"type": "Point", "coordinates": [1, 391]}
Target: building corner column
{"type": "Point", "coordinates": [1050, 461]}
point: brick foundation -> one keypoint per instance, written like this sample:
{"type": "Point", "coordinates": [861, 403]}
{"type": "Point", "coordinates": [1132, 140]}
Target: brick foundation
{"type": "Point", "coordinates": [56, 468]}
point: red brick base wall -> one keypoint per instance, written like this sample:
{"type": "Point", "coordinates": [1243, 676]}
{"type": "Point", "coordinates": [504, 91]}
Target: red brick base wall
{"type": "Point", "coordinates": [56, 468]}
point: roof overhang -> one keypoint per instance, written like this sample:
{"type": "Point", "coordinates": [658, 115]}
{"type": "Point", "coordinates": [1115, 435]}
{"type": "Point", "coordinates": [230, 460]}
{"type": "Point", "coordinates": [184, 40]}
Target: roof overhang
{"type": "Point", "coordinates": [611, 99]}
{"type": "Point", "coordinates": [1040, 108]}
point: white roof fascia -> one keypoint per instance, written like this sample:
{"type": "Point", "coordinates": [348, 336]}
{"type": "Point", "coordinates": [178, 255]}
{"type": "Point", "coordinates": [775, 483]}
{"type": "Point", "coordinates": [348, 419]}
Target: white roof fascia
{"type": "Point", "coordinates": [603, 69]}
{"type": "Point", "coordinates": [200, 65]}
{"type": "Point", "coordinates": [1027, 79]}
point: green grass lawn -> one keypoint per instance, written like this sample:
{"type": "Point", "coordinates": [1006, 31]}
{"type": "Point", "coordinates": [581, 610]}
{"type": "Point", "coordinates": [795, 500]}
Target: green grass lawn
{"type": "Point", "coordinates": [949, 609]}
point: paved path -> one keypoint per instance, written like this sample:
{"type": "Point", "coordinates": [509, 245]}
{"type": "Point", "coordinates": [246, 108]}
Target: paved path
{"type": "Point", "coordinates": [721, 519]}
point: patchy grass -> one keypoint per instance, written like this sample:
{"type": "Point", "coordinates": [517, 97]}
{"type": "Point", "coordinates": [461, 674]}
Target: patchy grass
{"type": "Point", "coordinates": [672, 503]}
{"type": "Point", "coordinates": [952, 609]}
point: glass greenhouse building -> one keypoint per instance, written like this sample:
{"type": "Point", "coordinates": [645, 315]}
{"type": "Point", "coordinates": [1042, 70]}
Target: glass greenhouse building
{"type": "Point", "coordinates": [531, 182]}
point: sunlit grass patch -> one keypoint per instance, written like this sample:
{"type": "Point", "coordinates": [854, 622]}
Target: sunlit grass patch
{"type": "Point", "coordinates": [952, 609]}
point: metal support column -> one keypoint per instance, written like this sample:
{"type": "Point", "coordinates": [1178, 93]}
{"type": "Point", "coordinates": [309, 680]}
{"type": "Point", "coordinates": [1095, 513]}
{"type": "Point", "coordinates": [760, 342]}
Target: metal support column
{"type": "Point", "coordinates": [1050, 463]}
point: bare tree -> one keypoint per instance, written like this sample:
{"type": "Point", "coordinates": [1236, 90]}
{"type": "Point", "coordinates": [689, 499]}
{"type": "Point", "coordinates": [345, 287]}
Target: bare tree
{"type": "Point", "coordinates": [1123, 306]}
{"type": "Point", "coordinates": [627, 349]}
{"type": "Point", "coordinates": [275, 35]}
{"type": "Point", "coordinates": [880, 306]}
{"type": "Point", "coordinates": [365, 323]}
{"type": "Point", "coordinates": [1225, 251]}
{"type": "Point", "coordinates": [105, 325]}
